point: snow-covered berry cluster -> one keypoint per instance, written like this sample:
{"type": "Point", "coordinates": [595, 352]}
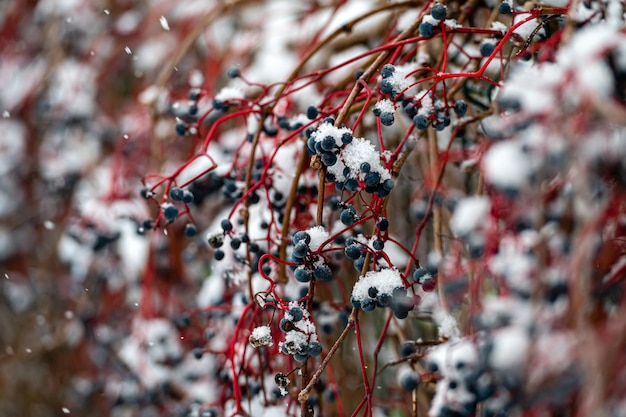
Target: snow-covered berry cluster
{"type": "Point", "coordinates": [353, 163]}
{"type": "Point", "coordinates": [382, 289]}
{"type": "Point", "coordinates": [309, 263]}
{"type": "Point", "coordinates": [301, 340]}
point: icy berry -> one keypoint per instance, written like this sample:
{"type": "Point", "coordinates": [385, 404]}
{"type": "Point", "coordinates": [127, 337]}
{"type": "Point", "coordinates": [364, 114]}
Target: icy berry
{"type": "Point", "coordinates": [439, 11]}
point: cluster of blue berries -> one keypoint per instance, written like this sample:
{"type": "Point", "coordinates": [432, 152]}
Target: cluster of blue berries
{"type": "Point", "coordinates": [389, 85]}
{"type": "Point", "coordinates": [298, 342]}
{"type": "Point", "coordinates": [382, 289]}
{"type": "Point", "coordinates": [440, 117]}
{"type": "Point", "coordinates": [326, 142]}
{"type": "Point", "coordinates": [184, 123]}
{"type": "Point", "coordinates": [438, 13]}
{"type": "Point", "coordinates": [309, 265]}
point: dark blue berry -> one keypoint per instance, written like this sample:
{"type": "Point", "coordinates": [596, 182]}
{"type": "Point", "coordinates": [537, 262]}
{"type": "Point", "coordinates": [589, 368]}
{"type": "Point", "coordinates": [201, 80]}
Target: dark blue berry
{"type": "Point", "coordinates": [187, 197]}
{"type": "Point", "coordinates": [329, 120]}
{"type": "Point", "coordinates": [368, 304]}
{"type": "Point", "coordinates": [353, 252]}
{"type": "Point", "coordinates": [323, 273]}
{"type": "Point", "coordinates": [351, 185]}
{"type": "Point", "coordinates": [356, 303]}
{"type": "Point", "coordinates": [348, 216]}
{"type": "Point", "coordinates": [410, 110]}
{"type": "Point", "coordinates": [193, 109]}
{"type": "Point", "coordinates": [302, 236]}
{"type": "Point", "coordinates": [302, 274]}
{"type": "Point", "coordinates": [383, 224]}
{"type": "Point", "coordinates": [233, 72]}
{"type": "Point", "coordinates": [460, 107]}
{"type": "Point", "coordinates": [315, 349]}
{"type": "Point", "coordinates": [198, 353]}
{"type": "Point", "coordinates": [439, 11]}
{"type": "Point", "coordinates": [346, 138]}
{"type": "Point", "coordinates": [218, 255]}
{"type": "Point", "coordinates": [388, 184]}
{"type": "Point", "coordinates": [311, 112]}
{"type": "Point", "coordinates": [372, 179]}
{"type": "Point", "coordinates": [426, 29]}
{"type": "Point", "coordinates": [420, 121]}
{"type": "Point", "coordinates": [226, 225]}
{"type": "Point", "coordinates": [176, 194]}
{"type": "Point", "coordinates": [409, 381]}
{"type": "Point", "coordinates": [170, 212]}
{"type": "Point", "coordinates": [301, 249]}
{"type": "Point", "coordinates": [181, 129]}
{"type": "Point", "coordinates": [378, 244]}
{"type": "Point", "coordinates": [407, 349]}
{"type": "Point", "coordinates": [383, 299]}
{"type": "Point", "coordinates": [387, 70]}
{"type": "Point", "coordinates": [372, 292]}
{"type": "Point", "coordinates": [310, 144]}
{"type": "Point", "coordinates": [376, 111]}
{"type": "Point", "coordinates": [235, 243]}
{"type": "Point", "coordinates": [387, 119]}
{"type": "Point", "coordinates": [296, 314]}
{"type": "Point", "coordinates": [328, 143]}
{"type": "Point", "coordinates": [329, 159]}
{"type": "Point", "coordinates": [365, 167]}
{"type": "Point", "coordinates": [386, 87]}
{"type": "Point", "coordinates": [504, 7]}
{"type": "Point", "coordinates": [486, 49]}
{"type": "Point", "coordinates": [190, 230]}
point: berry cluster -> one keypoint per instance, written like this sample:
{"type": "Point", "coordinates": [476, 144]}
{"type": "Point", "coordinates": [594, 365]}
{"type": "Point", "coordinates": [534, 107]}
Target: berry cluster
{"type": "Point", "coordinates": [310, 264]}
{"type": "Point", "coordinates": [382, 289]}
{"type": "Point", "coordinates": [300, 336]}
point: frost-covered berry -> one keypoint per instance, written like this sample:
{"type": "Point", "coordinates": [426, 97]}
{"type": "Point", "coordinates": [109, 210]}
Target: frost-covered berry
{"type": "Point", "coordinates": [302, 236]}
{"type": "Point", "coordinates": [323, 273]}
{"type": "Point", "coordinates": [176, 194]}
{"type": "Point", "coordinates": [302, 274]}
{"type": "Point", "coordinates": [420, 121]}
{"type": "Point", "coordinates": [383, 299]}
{"type": "Point", "coordinates": [346, 138]}
{"type": "Point", "coordinates": [486, 49]}
{"type": "Point", "coordinates": [426, 29]}
{"type": "Point", "coordinates": [504, 7]}
{"type": "Point", "coordinates": [419, 274]}
{"type": "Point", "coordinates": [348, 215]}
{"type": "Point", "coordinates": [301, 249]}
{"type": "Point", "coordinates": [368, 304]}
{"type": "Point", "coordinates": [386, 118]}
{"type": "Point", "coordinates": [219, 255]}
{"type": "Point", "coordinates": [170, 212]}
{"type": "Point", "coordinates": [386, 87]}
{"type": "Point", "coordinates": [353, 252]}
{"type": "Point", "coordinates": [296, 314]}
{"type": "Point", "coordinates": [387, 71]}
{"type": "Point", "coordinates": [460, 108]}
{"type": "Point", "coordinates": [365, 167]}
{"type": "Point", "coordinates": [226, 225]}
{"type": "Point", "coordinates": [439, 11]}
{"type": "Point", "coordinates": [190, 230]}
